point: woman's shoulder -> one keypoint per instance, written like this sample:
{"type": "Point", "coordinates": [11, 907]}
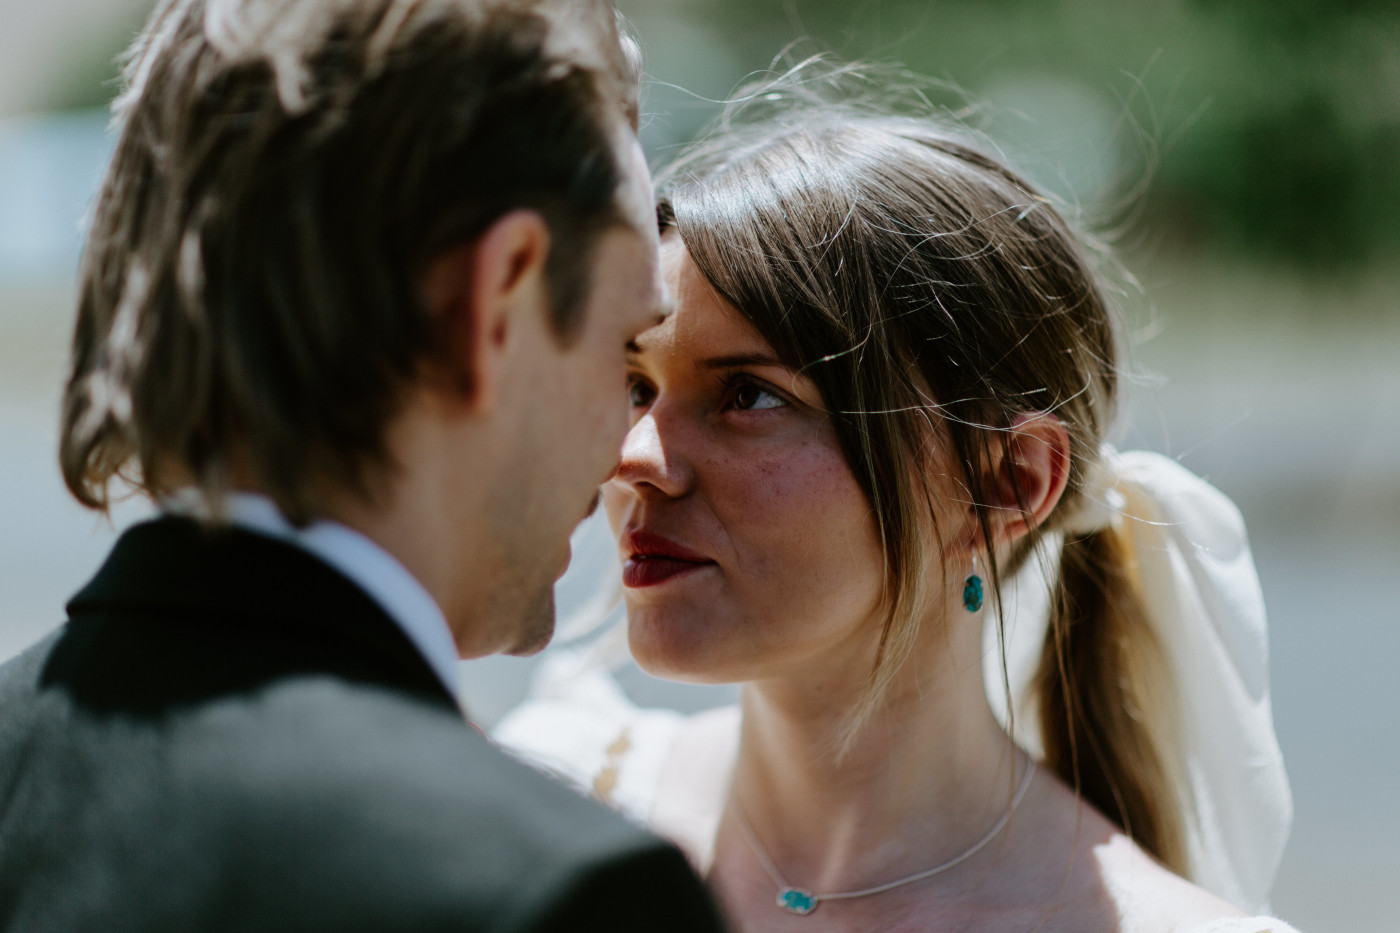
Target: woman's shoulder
{"type": "Point", "coordinates": [1111, 876]}
{"type": "Point", "coordinates": [1152, 899]}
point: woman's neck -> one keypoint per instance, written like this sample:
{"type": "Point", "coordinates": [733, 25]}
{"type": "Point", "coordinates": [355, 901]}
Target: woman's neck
{"type": "Point", "coordinates": [922, 781]}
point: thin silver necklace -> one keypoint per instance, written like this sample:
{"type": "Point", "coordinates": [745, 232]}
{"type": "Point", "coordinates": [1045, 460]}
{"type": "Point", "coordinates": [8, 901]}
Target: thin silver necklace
{"type": "Point", "coordinates": [802, 902]}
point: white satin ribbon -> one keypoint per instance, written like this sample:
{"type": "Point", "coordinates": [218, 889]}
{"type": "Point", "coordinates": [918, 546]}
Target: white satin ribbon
{"type": "Point", "coordinates": [1197, 579]}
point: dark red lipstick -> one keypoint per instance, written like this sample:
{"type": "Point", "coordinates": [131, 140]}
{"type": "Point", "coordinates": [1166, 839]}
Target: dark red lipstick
{"type": "Point", "coordinates": [652, 559]}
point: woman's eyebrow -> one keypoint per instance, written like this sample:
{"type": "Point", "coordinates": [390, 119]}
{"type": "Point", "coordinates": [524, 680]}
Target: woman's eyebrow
{"type": "Point", "coordinates": [740, 359]}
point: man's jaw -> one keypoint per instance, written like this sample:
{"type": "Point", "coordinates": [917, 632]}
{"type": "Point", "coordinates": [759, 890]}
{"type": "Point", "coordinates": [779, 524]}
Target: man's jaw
{"type": "Point", "coordinates": [537, 626]}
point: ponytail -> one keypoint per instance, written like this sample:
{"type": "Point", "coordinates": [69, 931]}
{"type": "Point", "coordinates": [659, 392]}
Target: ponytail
{"type": "Point", "coordinates": [1103, 692]}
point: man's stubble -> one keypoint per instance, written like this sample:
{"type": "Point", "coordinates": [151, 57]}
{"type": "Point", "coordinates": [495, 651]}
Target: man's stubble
{"type": "Point", "coordinates": [537, 625]}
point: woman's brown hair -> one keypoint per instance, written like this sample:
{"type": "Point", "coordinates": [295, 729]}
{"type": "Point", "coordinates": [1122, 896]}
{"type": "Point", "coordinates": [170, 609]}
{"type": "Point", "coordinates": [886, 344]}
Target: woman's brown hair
{"type": "Point", "coordinates": [919, 282]}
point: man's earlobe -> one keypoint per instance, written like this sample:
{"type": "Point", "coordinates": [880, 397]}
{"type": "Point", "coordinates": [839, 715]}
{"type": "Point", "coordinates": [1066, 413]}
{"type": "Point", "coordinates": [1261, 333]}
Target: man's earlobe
{"type": "Point", "coordinates": [474, 294]}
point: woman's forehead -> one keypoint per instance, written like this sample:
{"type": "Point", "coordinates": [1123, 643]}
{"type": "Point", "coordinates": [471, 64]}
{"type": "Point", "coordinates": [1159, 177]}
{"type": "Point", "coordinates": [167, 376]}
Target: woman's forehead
{"type": "Point", "coordinates": [703, 323]}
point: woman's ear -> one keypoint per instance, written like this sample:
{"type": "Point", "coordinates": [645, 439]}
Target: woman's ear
{"type": "Point", "coordinates": [1028, 474]}
{"type": "Point", "coordinates": [473, 293]}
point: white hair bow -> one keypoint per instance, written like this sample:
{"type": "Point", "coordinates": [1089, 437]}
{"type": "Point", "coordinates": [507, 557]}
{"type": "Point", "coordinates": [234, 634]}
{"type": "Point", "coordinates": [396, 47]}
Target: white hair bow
{"type": "Point", "coordinates": [1188, 545]}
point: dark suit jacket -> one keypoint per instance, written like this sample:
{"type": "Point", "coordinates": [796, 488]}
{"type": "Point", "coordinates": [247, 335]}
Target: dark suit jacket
{"type": "Point", "coordinates": [229, 735]}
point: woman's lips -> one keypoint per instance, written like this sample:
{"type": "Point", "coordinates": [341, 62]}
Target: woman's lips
{"type": "Point", "coordinates": [653, 559]}
{"type": "Point", "coordinates": [638, 572]}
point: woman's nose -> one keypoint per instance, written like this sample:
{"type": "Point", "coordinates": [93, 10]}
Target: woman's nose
{"type": "Point", "coordinates": [653, 463]}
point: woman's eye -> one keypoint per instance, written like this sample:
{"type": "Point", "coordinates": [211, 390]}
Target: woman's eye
{"type": "Point", "coordinates": [639, 393]}
{"type": "Point", "coordinates": [749, 397]}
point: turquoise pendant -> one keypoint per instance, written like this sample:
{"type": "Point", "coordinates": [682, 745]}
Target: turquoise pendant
{"type": "Point", "coordinates": [797, 901]}
{"type": "Point", "coordinates": [972, 593]}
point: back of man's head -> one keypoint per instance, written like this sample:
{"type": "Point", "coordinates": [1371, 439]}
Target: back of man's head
{"type": "Point", "coordinates": [285, 170]}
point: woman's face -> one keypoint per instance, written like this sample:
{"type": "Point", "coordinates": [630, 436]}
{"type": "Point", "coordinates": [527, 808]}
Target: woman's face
{"type": "Point", "coordinates": [748, 547]}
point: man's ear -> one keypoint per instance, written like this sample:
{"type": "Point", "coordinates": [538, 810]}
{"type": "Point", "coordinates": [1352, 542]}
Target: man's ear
{"type": "Point", "coordinates": [475, 294]}
{"type": "Point", "coordinates": [1037, 465]}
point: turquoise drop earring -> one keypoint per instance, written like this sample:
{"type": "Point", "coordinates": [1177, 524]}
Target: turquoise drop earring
{"type": "Point", "coordinates": [972, 588]}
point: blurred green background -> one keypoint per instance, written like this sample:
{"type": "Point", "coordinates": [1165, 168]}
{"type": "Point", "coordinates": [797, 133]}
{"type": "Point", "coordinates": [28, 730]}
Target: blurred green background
{"type": "Point", "coordinates": [1274, 123]}
{"type": "Point", "coordinates": [1245, 157]}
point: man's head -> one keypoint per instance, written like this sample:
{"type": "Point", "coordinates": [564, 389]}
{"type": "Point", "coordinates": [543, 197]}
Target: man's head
{"type": "Point", "coordinates": [292, 238]}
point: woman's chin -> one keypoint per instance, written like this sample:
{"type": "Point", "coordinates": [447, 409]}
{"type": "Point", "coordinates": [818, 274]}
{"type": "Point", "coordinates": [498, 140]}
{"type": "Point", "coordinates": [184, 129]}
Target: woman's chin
{"type": "Point", "coordinates": [671, 653]}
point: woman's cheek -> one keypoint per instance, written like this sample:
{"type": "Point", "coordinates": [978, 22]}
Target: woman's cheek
{"type": "Point", "coordinates": [804, 519]}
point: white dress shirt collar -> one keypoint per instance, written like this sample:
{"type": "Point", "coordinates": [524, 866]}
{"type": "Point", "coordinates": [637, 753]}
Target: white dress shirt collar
{"type": "Point", "coordinates": [355, 556]}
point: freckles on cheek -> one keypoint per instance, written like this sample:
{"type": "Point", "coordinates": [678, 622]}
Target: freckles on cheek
{"type": "Point", "coordinates": [800, 480]}
{"type": "Point", "coordinates": [787, 500]}
{"type": "Point", "coordinates": [755, 485]}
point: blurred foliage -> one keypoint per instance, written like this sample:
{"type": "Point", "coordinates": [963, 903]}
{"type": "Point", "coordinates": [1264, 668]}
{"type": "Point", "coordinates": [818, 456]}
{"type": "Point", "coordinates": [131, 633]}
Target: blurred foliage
{"type": "Point", "coordinates": [86, 74]}
{"type": "Point", "coordinates": [1269, 128]}
{"type": "Point", "coordinates": [1266, 127]}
